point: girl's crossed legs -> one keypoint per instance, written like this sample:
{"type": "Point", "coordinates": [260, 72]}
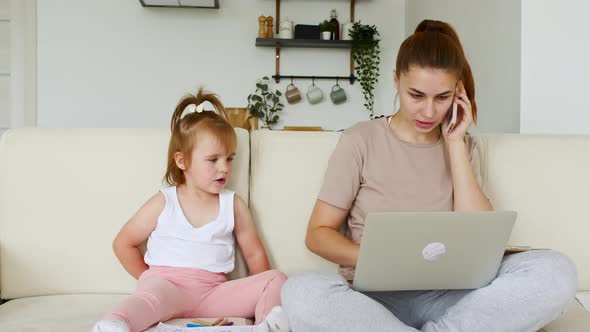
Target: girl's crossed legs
{"type": "Point", "coordinates": [166, 292]}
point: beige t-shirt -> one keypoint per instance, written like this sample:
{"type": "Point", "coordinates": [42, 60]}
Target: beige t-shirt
{"type": "Point", "coordinates": [372, 170]}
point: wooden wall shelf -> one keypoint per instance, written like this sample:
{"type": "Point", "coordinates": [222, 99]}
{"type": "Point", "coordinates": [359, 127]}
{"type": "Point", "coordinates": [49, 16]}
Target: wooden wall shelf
{"type": "Point", "coordinates": [312, 43]}
{"type": "Point", "coordinates": [277, 43]}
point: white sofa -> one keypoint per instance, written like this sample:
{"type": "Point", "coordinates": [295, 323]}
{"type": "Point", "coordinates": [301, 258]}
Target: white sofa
{"type": "Point", "coordinates": [64, 194]}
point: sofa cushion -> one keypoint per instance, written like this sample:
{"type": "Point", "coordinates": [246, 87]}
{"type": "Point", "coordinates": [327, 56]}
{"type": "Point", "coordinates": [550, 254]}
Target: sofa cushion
{"type": "Point", "coordinates": [576, 319]}
{"type": "Point", "coordinates": [287, 171]}
{"type": "Point", "coordinates": [545, 179]}
{"type": "Point", "coordinates": [64, 195]}
{"type": "Point", "coordinates": [65, 313]}
{"type": "Point", "coordinates": [74, 313]}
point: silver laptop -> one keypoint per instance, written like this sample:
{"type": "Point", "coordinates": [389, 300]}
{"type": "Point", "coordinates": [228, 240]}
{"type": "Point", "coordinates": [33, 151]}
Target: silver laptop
{"type": "Point", "coordinates": [431, 250]}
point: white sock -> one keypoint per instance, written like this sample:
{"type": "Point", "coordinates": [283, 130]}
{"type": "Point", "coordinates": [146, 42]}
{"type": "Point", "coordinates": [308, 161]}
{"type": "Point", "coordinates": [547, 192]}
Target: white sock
{"type": "Point", "coordinates": [277, 320]}
{"type": "Point", "coordinates": [107, 325]}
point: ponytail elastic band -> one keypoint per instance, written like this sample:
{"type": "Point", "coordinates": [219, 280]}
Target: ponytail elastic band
{"type": "Point", "coordinates": [193, 108]}
{"type": "Point", "coordinates": [199, 108]}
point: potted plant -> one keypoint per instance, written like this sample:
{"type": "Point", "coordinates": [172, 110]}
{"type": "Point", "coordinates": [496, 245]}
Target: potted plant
{"type": "Point", "coordinates": [264, 104]}
{"type": "Point", "coordinates": [327, 28]}
{"type": "Point", "coordinates": [366, 56]}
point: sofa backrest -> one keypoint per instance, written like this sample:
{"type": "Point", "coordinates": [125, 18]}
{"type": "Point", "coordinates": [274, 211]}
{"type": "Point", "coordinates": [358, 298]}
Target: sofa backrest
{"type": "Point", "coordinates": [287, 171]}
{"type": "Point", "coordinates": [64, 195]}
{"type": "Point", "coordinates": [544, 178]}
{"type": "Point", "coordinates": [547, 180]}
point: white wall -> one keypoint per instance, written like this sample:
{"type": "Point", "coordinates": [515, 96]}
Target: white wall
{"type": "Point", "coordinates": [490, 33]}
{"type": "Point", "coordinates": [4, 65]}
{"type": "Point", "coordinates": [17, 64]}
{"type": "Point", "coordinates": [555, 67]}
{"type": "Point", "coordinates": [23, 63]}
{"type": "Point", "coordinates": [113, 63]}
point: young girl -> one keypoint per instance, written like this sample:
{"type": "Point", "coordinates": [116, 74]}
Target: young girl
{"type": "Point", "coordinates": [190, 227]}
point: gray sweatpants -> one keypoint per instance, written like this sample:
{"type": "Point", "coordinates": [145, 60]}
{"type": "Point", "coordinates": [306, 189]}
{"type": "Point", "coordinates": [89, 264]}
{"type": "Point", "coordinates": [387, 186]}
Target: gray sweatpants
{"type": "Point", "coordinates": [531, 289]}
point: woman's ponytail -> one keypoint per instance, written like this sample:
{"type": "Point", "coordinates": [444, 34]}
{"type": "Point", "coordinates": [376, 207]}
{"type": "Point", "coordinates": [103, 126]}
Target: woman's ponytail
{"type": "Point", "coordinates": [435, 44]}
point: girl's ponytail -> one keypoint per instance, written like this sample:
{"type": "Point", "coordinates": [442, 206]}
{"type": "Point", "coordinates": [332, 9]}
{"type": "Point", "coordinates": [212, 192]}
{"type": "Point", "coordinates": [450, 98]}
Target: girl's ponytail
{"type": "Point", "coordinates": [214, 100]}
{"type": "Point", "coordinates": [182, 105]}
{"type": "Point", "coordinates": [197, 100]}
{"type": "Point", "coordinates": [184, 129]}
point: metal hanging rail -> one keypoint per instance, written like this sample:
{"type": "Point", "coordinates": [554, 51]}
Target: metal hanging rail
{"type": "Point", "coordinates": [351, 78]}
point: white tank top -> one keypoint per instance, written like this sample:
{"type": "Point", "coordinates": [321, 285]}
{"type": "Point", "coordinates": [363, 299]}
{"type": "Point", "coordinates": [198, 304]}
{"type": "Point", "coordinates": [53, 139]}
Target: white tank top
{"type": "Point", "coordinates": [177, 243]}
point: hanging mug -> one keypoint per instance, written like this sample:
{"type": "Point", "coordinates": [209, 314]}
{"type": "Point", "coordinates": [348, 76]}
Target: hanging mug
{"type": "Point", "coordinates": [292, 94]}
{"type": "Point", "coordinates": [337, 95]}
{"type": "Point", "coordinates": [314, 94]}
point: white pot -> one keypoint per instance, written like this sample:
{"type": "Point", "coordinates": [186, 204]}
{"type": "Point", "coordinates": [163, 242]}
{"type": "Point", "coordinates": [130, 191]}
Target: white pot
{"type": "Point", "coordinates": [326, 35]}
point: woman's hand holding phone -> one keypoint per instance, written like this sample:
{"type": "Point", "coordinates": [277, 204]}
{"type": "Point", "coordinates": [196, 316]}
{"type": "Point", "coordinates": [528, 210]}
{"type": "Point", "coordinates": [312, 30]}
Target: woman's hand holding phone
{"type": "Point", "coordinates": [460, 116]}
{"type": "Point", "coordinates": [452, 118]}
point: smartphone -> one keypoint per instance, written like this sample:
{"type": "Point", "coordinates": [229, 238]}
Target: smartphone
{"type": "Point", "coordinates": [452, 118]}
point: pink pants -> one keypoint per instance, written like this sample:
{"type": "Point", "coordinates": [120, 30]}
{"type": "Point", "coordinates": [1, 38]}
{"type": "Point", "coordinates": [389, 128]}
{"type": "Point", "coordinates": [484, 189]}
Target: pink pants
{"type": "Point", "coordinates": [170, 292]}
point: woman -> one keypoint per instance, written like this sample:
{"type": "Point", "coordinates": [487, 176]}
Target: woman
{"type": "Point", "coordinates": [410, 162]}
